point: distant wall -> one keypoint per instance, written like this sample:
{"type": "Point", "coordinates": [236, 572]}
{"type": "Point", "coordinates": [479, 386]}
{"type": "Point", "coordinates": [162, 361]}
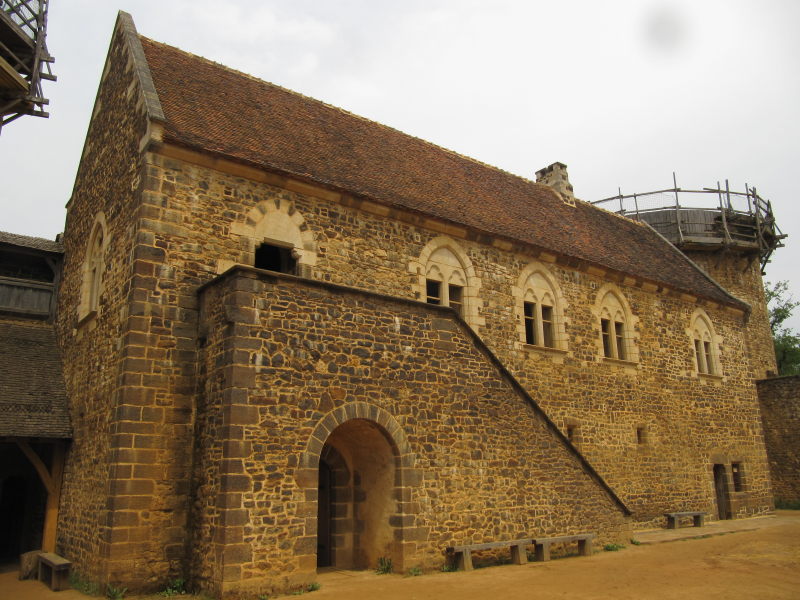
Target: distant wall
{"type": "Point", "coordinates": [780, 413]}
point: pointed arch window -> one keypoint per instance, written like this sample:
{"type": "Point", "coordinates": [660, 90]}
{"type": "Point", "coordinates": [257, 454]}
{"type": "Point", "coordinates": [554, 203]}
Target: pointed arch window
{"type": "Point", "coordinates": [93, 269]}
{"type": "Point", "coordinates": [616, 326]}
{"type": "Point", "coordinates": [541, 311]}
{"type": "Point", "coordinates": [445, 280]}
{"type": "Point", "coordinates": [705, 348]}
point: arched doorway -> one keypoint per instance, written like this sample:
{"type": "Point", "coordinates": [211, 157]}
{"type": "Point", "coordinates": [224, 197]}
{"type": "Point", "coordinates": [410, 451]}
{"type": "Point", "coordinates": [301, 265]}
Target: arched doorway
{"type": "Point", "coordinates": [357, 500]}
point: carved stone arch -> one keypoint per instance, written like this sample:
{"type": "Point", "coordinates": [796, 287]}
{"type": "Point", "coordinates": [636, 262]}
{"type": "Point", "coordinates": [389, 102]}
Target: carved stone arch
{"type": "Point", "coordinates": [421, 267]}
{"type": "Point", "coordinates": [94, 262]}
{"type": "Point", "coordinates": [276, 221]}
{"type": "Point", "coordinates": [611, 303]}
{"type": "Point", "coordinates": [706, 360]}
{"type": "Point", "coordinates": [537, 284]}
{"type": "Point", "coordinates": [367, 512]}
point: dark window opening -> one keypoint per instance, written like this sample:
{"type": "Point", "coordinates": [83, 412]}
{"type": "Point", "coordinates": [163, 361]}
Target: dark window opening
{"type": "Point", "coordinates": [709, 360]}
{"type": "Point", "coordinates": [547, 326]}
{"type": "Point", "coordinates": [529, 309]}
{"type": "Point", "coordinates": [455, 298]}
{"type": "Point", "coordinates": [736, 471]}
{"type": "Point", "coordinates": [620, 341]}
{"type": "Point", "coordinates": [641, 435]}
{"type": "Point", "coordinates": [572, 433]}
{"type": "Point", "coordinates": [433, 291]}
{"type": "Point", "coordinates": [605, 326]}
{"type": "Point", "coordinates": [698, 356]}
{"type": "Point", "coordinates": [275, 258]}
{"type": "Point", "coordinates": [25, 266]}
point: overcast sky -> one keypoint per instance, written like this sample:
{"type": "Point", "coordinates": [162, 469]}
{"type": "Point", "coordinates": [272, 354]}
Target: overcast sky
{"type": "Point", "coordinates": [623, 92]}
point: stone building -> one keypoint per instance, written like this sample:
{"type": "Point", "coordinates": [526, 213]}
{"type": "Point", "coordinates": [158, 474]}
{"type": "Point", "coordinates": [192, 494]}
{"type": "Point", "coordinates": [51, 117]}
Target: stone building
{"type": "Point", "coordinates": [294, 338]}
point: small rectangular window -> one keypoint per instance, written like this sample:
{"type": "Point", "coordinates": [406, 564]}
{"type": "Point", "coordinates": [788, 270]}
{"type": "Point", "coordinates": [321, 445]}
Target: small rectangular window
{"type": "Point", "coordinates": [433, 291]}
{"type": "Point", "coordinates": [707, 355]}
{"type": "Point", "coordinates": [605, 326]}
{"type": "Point", "coordinates": [641, 435]}
{"type": "Point", "coordinates": [547, 326]}
{"type": "Point", "coordinates": [620, 340]}
{"type": "Point", "coordinates": [571, 432]}
{"type": "Point", "coordinates": [698, 356]}
{"type": "Point", "coordinates": [455, 298]}
{"type": "Point", "coordinates": [529, 308]}
{"type": "Point", "coordinates": [736, 471]}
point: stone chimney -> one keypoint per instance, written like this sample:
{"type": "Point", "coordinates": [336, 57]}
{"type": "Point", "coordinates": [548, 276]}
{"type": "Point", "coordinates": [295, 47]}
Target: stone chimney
{"type": "Point", "coordinates": [556, 177]}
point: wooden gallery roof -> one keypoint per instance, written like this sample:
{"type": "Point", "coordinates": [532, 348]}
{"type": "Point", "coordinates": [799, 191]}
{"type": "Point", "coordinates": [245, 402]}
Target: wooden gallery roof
{"type": "Point", "coordinates": [211, 108]}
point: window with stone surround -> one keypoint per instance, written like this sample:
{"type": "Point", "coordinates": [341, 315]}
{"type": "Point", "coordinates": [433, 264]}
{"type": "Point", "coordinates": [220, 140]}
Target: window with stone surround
{"type": "Point", "coordinates": [94, 264]}
{"type": "Point", "coordinates": [705, 347]}
{"type": "Point", "coordinates": [447, 278]}
{"type": "Point", "coordinates": [539, 309]}
{"type": "Point", "coordinates": [276, 258]}
{"type": "Point", "coordinates": [616, 325]}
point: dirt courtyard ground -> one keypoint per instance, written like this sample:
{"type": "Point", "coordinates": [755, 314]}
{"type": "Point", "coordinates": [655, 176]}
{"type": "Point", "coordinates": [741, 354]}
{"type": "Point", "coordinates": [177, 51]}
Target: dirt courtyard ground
{"type": "Point", "coordinates": [762, 562]}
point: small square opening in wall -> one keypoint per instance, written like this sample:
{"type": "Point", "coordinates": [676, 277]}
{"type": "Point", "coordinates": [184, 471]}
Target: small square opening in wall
{"type": "Point", "coordinates": [641, 435]}
{"type": "Point", "coordinates": [572, 432]}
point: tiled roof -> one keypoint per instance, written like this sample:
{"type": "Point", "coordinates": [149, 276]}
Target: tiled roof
{"type": "Point", "coordinates": [33, 400]}
{"type": "Point", "coordinates": [215, 109]}
{"type": "Point", "coordinates": [26, 241]}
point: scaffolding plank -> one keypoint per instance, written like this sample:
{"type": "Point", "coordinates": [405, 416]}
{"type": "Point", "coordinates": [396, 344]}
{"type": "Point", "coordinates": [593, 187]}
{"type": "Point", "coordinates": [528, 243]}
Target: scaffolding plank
{"type": "Point", "coordinates": [10, 79]}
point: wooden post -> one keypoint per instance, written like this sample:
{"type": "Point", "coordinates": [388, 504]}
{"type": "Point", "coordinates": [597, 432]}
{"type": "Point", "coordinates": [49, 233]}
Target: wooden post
{"type": "Point", "coordinates": [52, 483]}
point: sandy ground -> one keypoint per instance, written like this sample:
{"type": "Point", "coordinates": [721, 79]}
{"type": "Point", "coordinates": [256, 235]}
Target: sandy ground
{"type": "Point", "coordinates": [759, 558]}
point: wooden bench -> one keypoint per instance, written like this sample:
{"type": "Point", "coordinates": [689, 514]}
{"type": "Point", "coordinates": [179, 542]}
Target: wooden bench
{"type": "Point", "coordinates": [674, 517]}
{"type": "Point", "coordinates": [54, 571]}
{"type": "Point", "coordinates": [463, 554]}
{"type": "Point", "coordinates": [542, 545]}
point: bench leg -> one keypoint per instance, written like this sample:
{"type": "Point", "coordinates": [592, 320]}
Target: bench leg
{"type": "Point", "coordinates": [585, 547]}
{"type": "Point", "coordinates": [542, 552]}
{"type": "Point", "coordinates": [464, 559]}
{"type": "Point", "coordinates": [60, 579]}
{"type": "Point", "coordinates": [698, 520]}
{"type": "Point", "coordinates": [671, 522]}
{"type": "Point", "coordinates": [518, 555]}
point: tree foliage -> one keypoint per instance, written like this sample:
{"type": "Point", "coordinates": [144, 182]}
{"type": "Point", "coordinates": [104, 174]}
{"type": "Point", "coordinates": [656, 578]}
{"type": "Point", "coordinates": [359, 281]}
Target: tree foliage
{"type": "Point", "coordinates": [787, 342]}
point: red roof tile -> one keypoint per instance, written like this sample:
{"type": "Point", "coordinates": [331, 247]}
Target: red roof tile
{"type": "Point", "coordinates": [215, 109]}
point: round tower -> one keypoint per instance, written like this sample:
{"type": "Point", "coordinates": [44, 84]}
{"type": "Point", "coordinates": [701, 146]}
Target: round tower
{"type": "Point", "coordinates": [730, 235]}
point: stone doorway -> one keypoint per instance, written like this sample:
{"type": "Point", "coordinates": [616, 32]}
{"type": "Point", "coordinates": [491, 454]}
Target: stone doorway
{"type": "Point", "coordinates": [722, 492]}
{"type": "Point", "coordinates": [22, 504]}
{"type": "Point", "coordinates": [357, 498]}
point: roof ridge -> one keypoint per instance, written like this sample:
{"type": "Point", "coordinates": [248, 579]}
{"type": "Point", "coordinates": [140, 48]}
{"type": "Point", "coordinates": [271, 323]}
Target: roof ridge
{"type": "Point", "coordinates": [350, 114]}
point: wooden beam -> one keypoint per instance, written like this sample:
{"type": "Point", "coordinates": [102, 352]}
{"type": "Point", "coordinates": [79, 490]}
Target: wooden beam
{"type": "Point", "coordinates": [53, 499]}
{"type": "Point", "coordinates": [37, 463]}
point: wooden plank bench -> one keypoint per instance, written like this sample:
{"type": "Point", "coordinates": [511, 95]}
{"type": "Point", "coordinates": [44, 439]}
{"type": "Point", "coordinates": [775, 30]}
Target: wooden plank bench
{"type": "Point", "coordinates": [54, 571]}
{"type": "Point", "coordinates": [542, 545]}
{"type": "Point", "coordinates": [674, 517]}
{"type": "Point", "coordinates": [463, 554]}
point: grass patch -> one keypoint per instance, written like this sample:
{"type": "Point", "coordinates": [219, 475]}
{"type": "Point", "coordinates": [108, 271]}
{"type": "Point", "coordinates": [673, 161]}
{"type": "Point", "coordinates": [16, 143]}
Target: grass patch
{"type": "Point", "coordinates": [384, 566]}
{"type": "Point", "coordinates": [414, 572]}
{"type": "Point", "coordinates": [449, 567]}
{"type": "Point", "coordinates": [613, 547]}
{"type": "Point", "coordinates": [175, 587]}
{"type": "Point", "coordinates": [635, 542]}
{"type": "Point", "coordinates": [84, 586]}
{"type": "Point", "coordinates": [115, 593]}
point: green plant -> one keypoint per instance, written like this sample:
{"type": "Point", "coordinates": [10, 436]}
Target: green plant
{"type": "Point", "coordinates": [449, 568]}
{"type": "Point", "coordinates": [84, 586]}
{"type": "Point", "coordinates": [263, 597]}
{"type": "Point", "coordinates": [313, 587]}
{"type": "Point", "coordinates": [635, 542]}
{"type": "Point", "coordinates": [384, 565]}
{"type": "Point", "coordinates": [414, 572]}
{"type": "Point", "coordinates": [175, 587]}
{"type": "Point", "coordinates": [115, 593]}
{"type": "Point", "coordinates": [613, 547]}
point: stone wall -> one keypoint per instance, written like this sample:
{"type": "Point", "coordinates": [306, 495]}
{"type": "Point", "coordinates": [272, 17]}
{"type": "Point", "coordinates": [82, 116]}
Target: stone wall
{"type": "Point", "coordinates": [684, 417]}
{"type": "Point", "coordinates": [288, 363]}
{"type": "Point", "coordinates": [780, 412]}
{"type": "Point", "coordinates": [741, 276]}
